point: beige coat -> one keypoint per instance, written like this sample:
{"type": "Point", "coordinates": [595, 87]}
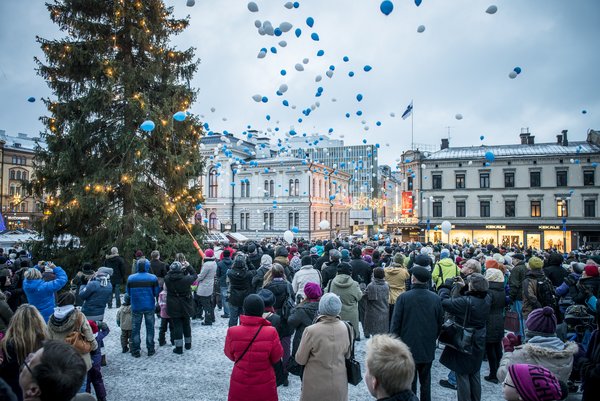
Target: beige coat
{"type": "Point", "coordinates": [60, 330]}
{"type": "Point", "coordinates": [323, 351]}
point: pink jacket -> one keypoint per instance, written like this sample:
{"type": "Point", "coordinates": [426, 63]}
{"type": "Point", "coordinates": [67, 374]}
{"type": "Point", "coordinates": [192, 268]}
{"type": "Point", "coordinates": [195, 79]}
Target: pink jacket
{"type": "Point", "coordinates": [162, 302]}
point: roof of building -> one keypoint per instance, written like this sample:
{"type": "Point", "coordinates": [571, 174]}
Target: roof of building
{"type": "Point", "coordinates": [21, 141]}
{"type": "Point", "coordinates": [542, 149]}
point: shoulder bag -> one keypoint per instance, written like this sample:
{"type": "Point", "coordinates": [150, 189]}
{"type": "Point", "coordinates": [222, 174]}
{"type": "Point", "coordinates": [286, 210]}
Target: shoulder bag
{"type": "Point", "coordinates": [249, 344]}
{"type": "Point", "coordinates": [352, 365]}
{"type": "Point", "coordinates": [77, 339]}
{"type": "Point", "coordinates": [459, 337]}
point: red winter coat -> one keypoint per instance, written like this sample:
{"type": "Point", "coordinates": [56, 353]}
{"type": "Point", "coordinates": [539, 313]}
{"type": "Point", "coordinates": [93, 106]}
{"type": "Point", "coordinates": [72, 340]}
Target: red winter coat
{"type": "Point", "coordinates": [253, 377]}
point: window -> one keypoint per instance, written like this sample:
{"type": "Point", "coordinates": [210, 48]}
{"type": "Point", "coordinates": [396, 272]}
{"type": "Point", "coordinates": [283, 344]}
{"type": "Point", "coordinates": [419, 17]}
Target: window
{"type": "Point", "coordinates": [461, 209]}
{"type": "Point", "coordinates": [562, 208]}
{"type": "Point", "coordinates": [589, 208]}
{"type": "Point", "coordinates": [561, 178]}
{"type": "Point", "coordinates": [19, 175]}
{"type": "Point", "coordinates": [294, 188]}
{"type": "Point", "coordinates": [437, 209]}
{"type": "Point", "coordinates": [410, 183]}
{"type": "Point", "coordinates": [588, 177]}
{"type": "Point", "coordinates": [293, 219]}
{"type": "Point", "coordinates": [24, 177]}
{"type": "Point", "coordinates": [460, 181]}
{"type": "Point", "coordinates": [213, 222]}
{"type": "Point", "coordinates": [509, 180]}
{"type": "Point", "coordinates": [484, 180]}
{"type": "Point", "coordinates": [536, 208]}
{"type": "Point", "coordinates": [509, 208]}
{"type": "Point", "coordinates": [213, 185]}
{"type": "Point", "coordinates": [266, 191]}
{"type": "Point", "coordinates": [12, 174]}
{"type": "Point", "coordinates": [13, 190]}
{"type": "Point", "coordinates": [484, 208]}
{"type": "Point", "coordinates": [535, 179]}
{"type": "Point", "coordinates": [315, 222]}
{"type": "Point", "coordinates": [24, 207]}
{"type": "Point", "coordinates": [268, 220]}
{"type": "Point", "coordinates": [245, 189]}
{"type": "Point", "coordinates": [244, 221]}
{"type": "Point", "coordinates": [437, 181]}
{"type": "Point", "coordinates": [271, 188]}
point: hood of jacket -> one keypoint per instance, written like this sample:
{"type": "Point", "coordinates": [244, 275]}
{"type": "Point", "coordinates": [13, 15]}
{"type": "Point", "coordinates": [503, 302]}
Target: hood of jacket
{"type": "Point", "coordinates": [111, 256]}
{"type": "Point", "coordinates": [64, 325]}
{"type": "Point", "coordinates": [394, 270]}
{"type": "Point", "coordinates": [175, 275]}
{"type": "Point", "coordinates": [237, 273]}
{"type": "Point", "coordinates": [306, 267]}
{"type": "Point", "coordinates": [343, 281]}
{"type": "Point", "coordinates": [447, 262]}
{"type": "Point", "coordinates": [550, 347]}
{"type": "Point", "coordinates": [282, 260]}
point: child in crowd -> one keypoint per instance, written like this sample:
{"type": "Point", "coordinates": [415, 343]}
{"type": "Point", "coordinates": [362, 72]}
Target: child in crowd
{"type": "Point", "coordinates": [94, 375]}
{"type": "Point", "coordinates": [165, 320]}
{"type": "Point", "coordinates": [124, 321]}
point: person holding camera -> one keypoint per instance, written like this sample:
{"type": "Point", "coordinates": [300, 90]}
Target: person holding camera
{"type": "Point", "coordinates": [40, 293]}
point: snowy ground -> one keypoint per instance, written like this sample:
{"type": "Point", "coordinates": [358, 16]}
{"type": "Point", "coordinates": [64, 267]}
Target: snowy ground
{"type": "Point", "coordinates": [203, 372]}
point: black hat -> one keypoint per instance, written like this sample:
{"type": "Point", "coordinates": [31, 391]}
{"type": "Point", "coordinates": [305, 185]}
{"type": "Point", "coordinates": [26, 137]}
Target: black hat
{"type": "Point", "coordinates": [344, 268]}
{"type": "Point", "coordinates": [306, 260]}
{"type": "Point", "coordinates": [253, 305]}
{"type": "Point", "coordinates": [422, 260]}
{"type": "Point", "coordinates": [267, 296]}
{"type": "Point", "coordinates": [519, 256]}
{"type": "Point", "coordinates": [421, 273]}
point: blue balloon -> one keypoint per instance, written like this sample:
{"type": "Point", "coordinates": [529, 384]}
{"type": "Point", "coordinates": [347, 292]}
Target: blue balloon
{"type": "Point", "coordinates": [517, 70]}
{"type": "Point", "coordinates": [489, 156]}
{"type": "Point", "coordinates": [364, 141]}
{"type": "Point", "coordinates": [31, 99]}
{"type": "Point", "coordinates": [418, 2]}
{"type": "Point", "coordinates": [298, 32]}
{"type": "Point", "coordinates": [314, 36]}
{"type": "Point", "coordinates": [296, 4]}
{"type": "Point", "coordinates": [266, 170]}
{"type": "Point", "coordinates": [347, 115]}
{"type": "Point", "coordinates": [295, 230]}
{"type": "Point", "coordinates": [386, 7]}
{"type": "Point", "coordinates": [331, 197]}
{"type": "Point", "coordinates": [268, 117]}
{"type": "Point", "coordinates": [594, 164]}
{"type": "Point", "coordinates": [367, 68]}
{"type": "Point", "coordinates": [283, 72]}
{"type": "Point", "coordinates": [233, 184]}
{"type": "Point", "coordinates": [359, 113]}
{"type": "Point", "coordinates": [482, 137]}
{"type": "Point", "coordinates": [199, 206]}
{"type": "Point", "coordinates": [274, 50]}
{"type": "Point", "coordinates": [359, 97]}
{"type": "Point", "coordinates": [330, 130]}
{"type": "Point", "coordinates": [277, 32]}
{"type": "Point", "coordinates": [147, 125]}
{"type": "Point", "coordinates": [583, 111]}
{"type": "Point", "coordinates": [320, 53]}
{"type": "Point", "coordinates": [310, 21]}
{"type": "Point", "coordinates": [205, 220]}
{"type": "Point", "coordinates": [378, 123]}
{"type": "Point", "coordinates": [179, 116]}
{"type": "Point", "coordinates": [351, 74]}
{"type": "Point", "coordinates": [264, 99]}
{"type": "Point", "coordinates": [286, 103]}
{"type": "Point", "coordinates": [346, 59]}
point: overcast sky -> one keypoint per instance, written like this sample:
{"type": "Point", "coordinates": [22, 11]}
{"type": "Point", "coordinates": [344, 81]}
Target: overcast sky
{"type": "Point", "coordinates": [459, 64]}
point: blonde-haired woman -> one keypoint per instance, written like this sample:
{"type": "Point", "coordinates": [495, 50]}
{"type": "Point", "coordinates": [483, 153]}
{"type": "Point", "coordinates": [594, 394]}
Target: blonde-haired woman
{"type": "Point", "coordinates": [40, 293]}
{"type": "Point", "coordinates": [25, 335]}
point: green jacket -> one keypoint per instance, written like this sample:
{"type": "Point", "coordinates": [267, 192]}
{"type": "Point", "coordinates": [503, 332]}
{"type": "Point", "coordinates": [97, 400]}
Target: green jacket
{"type": "Point", "coordinates": [443, 270]}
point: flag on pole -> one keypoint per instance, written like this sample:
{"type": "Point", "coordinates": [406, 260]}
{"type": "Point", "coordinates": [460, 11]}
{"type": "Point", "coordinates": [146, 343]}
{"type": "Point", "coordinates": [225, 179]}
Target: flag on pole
{"type": "Point", "coordinates": [408, 111]}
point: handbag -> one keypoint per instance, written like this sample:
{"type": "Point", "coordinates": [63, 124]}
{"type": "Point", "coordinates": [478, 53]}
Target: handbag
{"type": "Point", "coordinates": [511, 321]}
{"type": "Point", "coordinates": [458, 336]}
{"type": "Point", "coordinates": [77, 339]}
{"type": "Point", "coordinates": [352, 365]}
{"type": "Point", "coordinates": [280, 375]}
{"type": "Point", "coordinates": [294, 367]}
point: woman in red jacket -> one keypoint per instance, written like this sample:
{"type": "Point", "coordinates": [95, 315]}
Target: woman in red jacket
{"type": "Point", "coordinates": [254, 347]}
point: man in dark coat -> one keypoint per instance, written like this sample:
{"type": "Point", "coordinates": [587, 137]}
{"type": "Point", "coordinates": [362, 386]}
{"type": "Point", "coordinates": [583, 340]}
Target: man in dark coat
{"type": "Point", "coordinates": [180, 304]}
{"type": "Point", "coordinates": [361, 273]}
{"type": "Point", "coordinates": [157, 267]}
{"type": "Point", "coordinates": [515, 285]}
{"type": "Point", "coordinates": [477, 301]}
{"type": "Point", "coordinates": [324, 258]}
{"type": "Point", "coordinates": [329, 270]}
{"type": "Point", "coordinates": [254, 255]}
{"type": "Point", "coordinates": [117, 264]}
{"type": "Point", "coordinates": [240, 286]}
{"type": "Point", "coordinates": [417, 320]}
{"type": "Point", "coordinates": [223, 267]}
{"type": "Point", "coordinates": [554, 270]}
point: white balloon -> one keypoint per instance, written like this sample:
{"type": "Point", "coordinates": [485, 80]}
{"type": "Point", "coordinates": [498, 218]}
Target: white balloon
{"type": "Point", "coordinates": [257, 23]}
{"type": "Point", "coordinates": [288, 236]}
{"type": "Point", "coordinates": [512, 75]}
{"type": "Point", "coordinates": [423, 166]}
{"type": "Point", "coordinates": [252, 7]}
{"type": "Point", "coordinates": [261, 54]}
{"type": "Point", "coordinates": [289, 5]}
{"type": "Point", "coordinates": [324, 225]}
{"type": "Point", "coordinates": [261, 31]}
{"type": "Point", "coordinates": [299, 67]}
{"type": "Point", "coordinates": [470, 162]}
{"type": "Point", "coordinates": [458, 116]}
{"type": "Point", "coordinates": [283, 88]}
{"type": "Point", "coordinates": [491, 9]}
{"type": "Point", "coordinates": [283, 43]}
{"type": "Point", "coordinates": [285, 26]}
{"type": "Point", "coordinates": [421, 28]}
{"type": "Point", "coordinates": [392, 114]}
{"type": "Point", "coordinates": [190, 3]}
{"type": "Point", "coordinates": [212, 109]}
{"type": "Point", "coordinates": [305, 61]}
{"type": "Point", "coordinates": [446, 226]}
{"type": "Point", "coordinates": [257, 98]}
{"type": "Point", "coordinates": [268, 28]}
{"type": "Point", "coordinates": [572, 161]}
{"type": "Point", "coordinates": [318, 78]}
{"type": "Point", "coordinates": [333, 99]}
{"type": "Point", "coordinates": [329, 73]}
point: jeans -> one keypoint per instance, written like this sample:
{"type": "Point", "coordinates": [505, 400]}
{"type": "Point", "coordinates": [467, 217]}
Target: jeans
{"type": "Point", "coordinates": [518, 307]}
{"type": "Point", "coordinates": [116, 293]}
{"type": "Point", "coordinates": [468, 387]}
{"type": "Point", "coordinates": [137, 317]}
{"type": "Point", "coordinates": [234, 314]}
{"type": "Point", "coordinates": [452, 378]}
{"type": "Point", "coordinates": [224, 300]}
{"type": "Point", "coordinates": [423, 373]}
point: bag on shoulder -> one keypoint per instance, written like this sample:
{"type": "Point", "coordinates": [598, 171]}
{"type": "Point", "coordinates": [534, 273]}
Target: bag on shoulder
{"type": "Point", "coordinates": [77, 339]}
{"type": "Point", "coordinates": [545, 293]}
{"type": "Point", "coordinates": [457, 336]}
{"type": "Point", "coordinates": [288, 305]}
{"type": "Point", "coordinates": [352, 365]}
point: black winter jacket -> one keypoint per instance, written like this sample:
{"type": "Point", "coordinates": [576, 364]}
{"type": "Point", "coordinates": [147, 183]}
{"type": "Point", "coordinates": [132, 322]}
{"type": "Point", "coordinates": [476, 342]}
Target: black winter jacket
{"type": "Point", "coordinates": [117, 263]}
{"type": "Point", "coordinates": [301, 317]}
{"type": "Point", "coordinates": [556, 274]}
{"type": "Point", "coordinates": [495, 322]}
{"type": "Point", "coordinates": [222, 267]}
{"type": "Point", "coordinates": [180, 303]}
{"type": "Point", "coordinates": [515, 281]}
{"type": "Point", "coordinates": [328, 272]}
{"type": "Point", "coordinates": [158, 268]}
{"type": "Point", "coordinates": [361, 271]}
{"type": "Point", "coordinates": [240, 286]}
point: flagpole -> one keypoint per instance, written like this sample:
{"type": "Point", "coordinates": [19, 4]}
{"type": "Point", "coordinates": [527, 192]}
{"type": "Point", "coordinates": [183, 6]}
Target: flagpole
{"type": "Point", "coordinates": [412, 126]}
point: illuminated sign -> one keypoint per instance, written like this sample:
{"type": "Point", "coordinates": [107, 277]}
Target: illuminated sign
{"type": "Point", "coordinates": [407, 204]}
{"type": "Point", "coordinates": [493, 227]}
{"type": "Point", "coordinates": [549, 227]}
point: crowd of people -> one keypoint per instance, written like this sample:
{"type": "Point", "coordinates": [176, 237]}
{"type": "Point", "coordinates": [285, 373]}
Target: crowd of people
{"type": "Point", "coordinates": [297, 310]}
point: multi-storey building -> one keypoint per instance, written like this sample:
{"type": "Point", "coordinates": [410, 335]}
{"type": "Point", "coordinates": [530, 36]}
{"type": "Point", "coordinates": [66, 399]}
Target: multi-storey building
{"type": "Point", "coordinates": [250, 190]}
{"type": "Point", "coordinates": [533, 195]}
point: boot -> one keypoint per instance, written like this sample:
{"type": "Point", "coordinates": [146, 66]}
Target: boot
{"type": "Point", "coordinates": [103, 361]}
{"type": "Point", "coordinates": [178, 350]}
{"type": "Point", "coordinates": [188, 343]}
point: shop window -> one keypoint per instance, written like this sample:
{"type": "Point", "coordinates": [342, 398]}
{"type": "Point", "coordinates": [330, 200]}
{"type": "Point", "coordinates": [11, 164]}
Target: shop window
{"type": "Point", "coordinates": [535, 179]}
{"type": "Point", "coordinates": [588, 177]}
{"type": "Point", "coordinates": [561, 178]}
{"type": "Point", "coordinates": [562, 208]}
{"type": "Point", "coordinates": [484, 180]}
{"type": "Point", "coordinates": [536, 208]}
{"type": "Point", "coordinates": [589, 208]}
{"type": "Point", "coordinates": [509, 180]}
{"type": "Point", "coordinates": [460, 181]}
{"type": "Point", "coordinates": [484, 208]}
{"type": "Point", "coordinates": [461, 209]}
{"type": "Point", "coordinates": [436, 181]}
{"type": "Point", "coordinates": [437, 209]}
{"type": "Point", "coordinates": [509, 209]}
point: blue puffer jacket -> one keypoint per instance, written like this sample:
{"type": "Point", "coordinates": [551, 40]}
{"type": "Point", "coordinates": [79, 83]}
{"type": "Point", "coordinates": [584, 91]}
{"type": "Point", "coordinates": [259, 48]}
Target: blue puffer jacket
{"type": "Point", "coordinates": [95, 295]}
{"type": "Point", "coordinates": [40, 293]}
{"type": "Point", "coordinates": [142, 288]}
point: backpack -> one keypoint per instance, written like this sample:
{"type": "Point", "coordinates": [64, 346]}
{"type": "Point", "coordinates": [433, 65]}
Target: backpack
{"type": "Point", "coordinates": [288, 305]}
{"type": "Point", "coordinates": [545, 292]}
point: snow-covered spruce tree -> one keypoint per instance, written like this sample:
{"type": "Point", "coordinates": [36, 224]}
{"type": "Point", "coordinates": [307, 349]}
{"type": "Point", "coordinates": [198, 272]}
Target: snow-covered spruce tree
{"type": "Point", "coordinates": [104, 179]}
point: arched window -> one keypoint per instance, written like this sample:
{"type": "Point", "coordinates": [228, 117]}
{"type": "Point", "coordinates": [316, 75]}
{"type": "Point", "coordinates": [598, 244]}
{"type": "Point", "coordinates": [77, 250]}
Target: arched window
{"type": "Point", "coordinates": [291, 188]}
{"type": "Point", "coordinates": [12, 174]}
{"type": "Point", "coordinates": [266, 188]}
{"type": "Point", "coordinates": [296, 187]}
{"type": "Point", "coordinates": [19, 175]}
{"type": "Point", "coordinates": [315, 222]}
{"type": "Point", "coordinates": [213, 222]}
{"type": "Point", "coordinates": [24, 176]}
{"type": "Point", "coordinates": [320, 217]}
{"type": "Point", "coordinates": [213, 186]}
{"type": "Point", "coordinates": [271, 188]}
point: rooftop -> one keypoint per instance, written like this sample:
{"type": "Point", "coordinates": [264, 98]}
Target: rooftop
{"type": "Point", "coordinates": [573, 149]}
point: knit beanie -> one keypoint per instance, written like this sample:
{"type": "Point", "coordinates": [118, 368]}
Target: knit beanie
{"type": "Point", "coordinates": [267, 297]}
{"type": "Point", "coordinates": [478, 282]}
{"type": "Point", "coordinates": [535, 383]}
{"type": "Point", "coordinates": [330, 305]}
{"type": "Point", "coordinates": [345, 254]}
{"type": "Point", "coordinates": [423, 260]}
{"type": "Point", "coordinates": [368, 259]}
{"type": "Point", "coordinates": [542, 320]}
{"type": "Point", "coordinates": [209, 253]}
{"type": "Point", "coordinates": [175, 267]}
{"type": "Point", "coordinates": [444, 254]}
{"type": "Point", "coordinates": [494, 275]}
{"type": "Point", "coordinates": [399, 258]}
{"type": "Point", "coordinates": [356, 252]}
{"type": "Point", "coordinates": [536, 263]}
{"type": "Point", "coordinates": [491, 263]}
{"type": "Point", "coordinates": [266, 260]}
{"type": "Point", "coordinates": [313, 290]}
{"type": "Point", "coordinates": [591, 270]}
{"type": "Point", "coordinates": [344, 268]}
{"type": "Point", "coordinates": [295, 263]}
{"type": "Point", "coordinates": [498, 258]}
{"type": "Point", "coordinates": [93, 326]}
{"type": "Point", "coordinates": [254, 305]}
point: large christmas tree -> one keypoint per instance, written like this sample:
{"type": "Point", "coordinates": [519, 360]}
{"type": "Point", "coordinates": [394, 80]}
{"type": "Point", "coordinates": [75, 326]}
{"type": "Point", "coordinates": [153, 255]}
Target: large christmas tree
{"type": "Point", "coordinates": [104, 179]}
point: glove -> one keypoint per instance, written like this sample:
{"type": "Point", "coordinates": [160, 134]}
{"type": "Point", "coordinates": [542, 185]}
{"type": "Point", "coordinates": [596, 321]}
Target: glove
{"type": "Point", "coordinates": [118, 323]}
{"type": "Point", "coordinates": [510, 342]}
{"type": "Point", "coordinates": [103, 326]}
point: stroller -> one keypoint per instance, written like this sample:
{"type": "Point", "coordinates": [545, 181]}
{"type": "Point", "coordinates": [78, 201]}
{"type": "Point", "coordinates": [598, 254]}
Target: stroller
{"type": "Point", "coordinates": [580, 325]}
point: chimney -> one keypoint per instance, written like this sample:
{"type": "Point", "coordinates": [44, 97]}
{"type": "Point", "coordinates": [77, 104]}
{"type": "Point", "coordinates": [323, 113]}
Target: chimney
{"type": "Point", "coordinates": [445, 143]}
{"type": "Point", "coordinates": [559, 139]}
{"type": "Point", "coordinates": [565, 141]}
{"type": "Point", "coordinates": [524, 135]}
{"type": "Point", "coordinates": [531, 140]}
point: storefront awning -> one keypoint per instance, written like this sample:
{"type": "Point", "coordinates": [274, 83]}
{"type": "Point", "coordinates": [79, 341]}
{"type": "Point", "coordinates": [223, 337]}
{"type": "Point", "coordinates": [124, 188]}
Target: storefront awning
{"type": "Point", "coordinates": [237, 237]}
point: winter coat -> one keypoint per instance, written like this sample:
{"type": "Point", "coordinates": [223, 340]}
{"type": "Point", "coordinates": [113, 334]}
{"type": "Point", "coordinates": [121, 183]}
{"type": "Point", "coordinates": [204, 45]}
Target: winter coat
{"type": "Point", "coordinates": [349, 293]}
{"type": "Point", "coordinates": [556, 274]}
{"type": "Point", "coordinates": [377, 307]}
{"type": "Point", "coordinates": [16, 289]}
{"type": "Point", "coordinates": [259, 277]}
{"type": "Point", "coordinates": [223, 267]}
{"type": "Point", "coordinates": [40, 293]}
{"type": "Point", "coordinates": [5, 313]}
{"type": "Point", "coordinates": [253, 260]}
{"type": "Point", "coordinates": [81, 279]}
{"type": "Point", "coordinates": [240, 286]}
{"type": "Point", "coordinates": [283, 261]}
{"type": "Point", "coordinates": [585, 285]}
{"type": "Point", "coordinates": [417, 320]}
{"type": "Point", "coordinates": [549, 352]}
{"type": "Point", "coordinates": [253, 377]}
{"type": "Point", "coordinates": [143, 289]}
{"type": "Point", "coordinates": [479, 309]}
{"type": "Point", "coordinates": [180, 303]}
{"type": "Point", "coordinates": [301, 317]}
{"type": "Point", "coordinates": [59, 329]}
{"type": "Point", "coordinates": [10, 369]}
{"type": "Point", "coordinates": [282, 290]}
{"type": "Point", "coordinates": [515, 281]}
{"type": "Point", "coordinates": [323, 351]}
{"type": "Point", "coordinates": [406, 395]}
{"type": "Point", "coordinates": [307, 274]}
{"type": "Point", "coordinates": [361, 271]}
{"type": "Point", "coordinates": [328, 272]}
{"type": "Point", "coordinates": [159, 269]}
{"type": "Point", "coordinates": [396, 276]}
{"type": "Point", "coordinates": [206, 278]}
{"type": "Point", "coordinates": [124, 319]}
{"type": "Point", "coordinates": [117, 263]}
{"type": "Point", "coordinates": [495, 322]}
{"type": "Point", "coordinates": [96, 295]}
{"type": "Point", "coordinates": [443, 270]}
{"type": "Point", "coordinates": [321, 262]}
{"type": "Point", "coordinates": [96, 354]}
{"type": "Point", "coordinates": [590, 373]}
{"type": "Point", "coordinates": [530, 291]}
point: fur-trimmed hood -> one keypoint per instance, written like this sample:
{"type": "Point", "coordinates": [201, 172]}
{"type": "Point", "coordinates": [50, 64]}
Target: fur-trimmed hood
{"type": "Point", "coordinates": [550, 348]}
